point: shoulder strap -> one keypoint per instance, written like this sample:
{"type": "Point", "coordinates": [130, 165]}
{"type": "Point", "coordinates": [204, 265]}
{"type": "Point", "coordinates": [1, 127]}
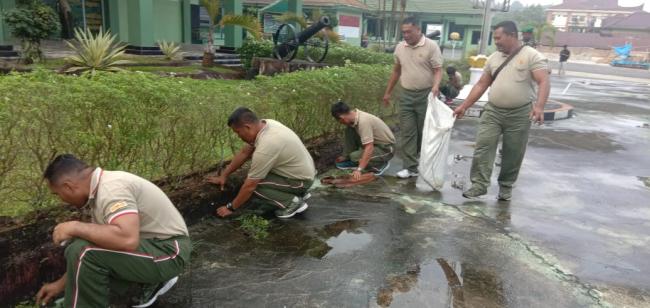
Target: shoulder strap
{"type": "Point", "coordinates": [512, 55]}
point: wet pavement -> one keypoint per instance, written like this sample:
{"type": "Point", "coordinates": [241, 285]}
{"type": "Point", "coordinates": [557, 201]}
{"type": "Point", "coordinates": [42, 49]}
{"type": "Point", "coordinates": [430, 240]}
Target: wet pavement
{"type": "Point", "coordinates": [576, 233]}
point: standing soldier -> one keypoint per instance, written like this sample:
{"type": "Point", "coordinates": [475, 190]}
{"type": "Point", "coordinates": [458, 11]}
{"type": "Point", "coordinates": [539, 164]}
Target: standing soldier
{"type": "Point", "coordinates": [511, 73]}
{"type": "Point", "coordinates": [418, 67]}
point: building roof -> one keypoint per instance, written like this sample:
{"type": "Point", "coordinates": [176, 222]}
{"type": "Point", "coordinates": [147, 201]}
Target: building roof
{"type": "Point", "coordinates": [595, 5]}
{"type": "Point", "coordinates": [635, 21]}
{"type": "Point", "coordinates": [324, 3]}
{"type": "Point", "coordinates": [430, 6]}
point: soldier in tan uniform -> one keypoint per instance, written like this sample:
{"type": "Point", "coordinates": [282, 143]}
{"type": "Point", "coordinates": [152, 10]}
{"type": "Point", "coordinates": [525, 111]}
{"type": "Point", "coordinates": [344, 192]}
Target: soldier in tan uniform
{"type": "Point", "coordinates": [513, 102]}
{"type": "Point", "coordinates": [136, 235]}
{"type": "Point", "coordinates": [369, 142]}
{"type": "Point", "coordinates": [418, 67]}
{"type": "Point", "coordinates": [281, 171]}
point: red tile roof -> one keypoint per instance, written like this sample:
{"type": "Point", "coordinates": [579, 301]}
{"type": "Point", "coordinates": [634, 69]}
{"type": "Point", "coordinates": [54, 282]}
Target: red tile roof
{"type": "Point", "coordinates": [597, 5]}
{"type": "Point", "coordinates": [635, 21]}
{"type": "Point", "coordinates": [324, 3]}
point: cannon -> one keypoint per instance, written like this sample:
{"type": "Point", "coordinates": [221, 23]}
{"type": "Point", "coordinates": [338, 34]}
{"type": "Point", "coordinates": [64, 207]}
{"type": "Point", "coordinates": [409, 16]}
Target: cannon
{"type": "Point", "coordinates": [287, 42]}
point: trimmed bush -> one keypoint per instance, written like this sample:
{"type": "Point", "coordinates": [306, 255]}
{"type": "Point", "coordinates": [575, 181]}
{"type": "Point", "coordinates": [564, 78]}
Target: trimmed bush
{"type": "Point", "coordinates": [338, 54]}
{"type": "Point", "coordinates": [154, 126]}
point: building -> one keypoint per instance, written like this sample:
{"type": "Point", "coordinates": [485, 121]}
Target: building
{"type": "Point", "coordinates": [347, 15]}
{"type": "Point", "coordinates": [586, 15]}
{"type": "Point", "coordinates": [446, 16]}
{"type": "Point", "coordinates": [142, 23]}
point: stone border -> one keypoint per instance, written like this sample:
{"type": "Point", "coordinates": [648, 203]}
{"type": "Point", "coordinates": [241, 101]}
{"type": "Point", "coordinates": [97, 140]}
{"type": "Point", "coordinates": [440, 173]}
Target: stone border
{"type": "Point", "coordinates": [553, 110]}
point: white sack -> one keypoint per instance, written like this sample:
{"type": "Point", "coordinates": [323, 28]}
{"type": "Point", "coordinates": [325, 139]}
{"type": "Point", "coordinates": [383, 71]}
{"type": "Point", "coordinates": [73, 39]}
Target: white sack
{"type": "Point", "coordinates": [436, 136]}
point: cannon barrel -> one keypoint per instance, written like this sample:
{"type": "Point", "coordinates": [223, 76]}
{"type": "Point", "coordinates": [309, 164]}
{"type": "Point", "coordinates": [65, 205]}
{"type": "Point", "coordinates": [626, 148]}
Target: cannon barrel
{"type": "Point", "coordinates": [323, 22]}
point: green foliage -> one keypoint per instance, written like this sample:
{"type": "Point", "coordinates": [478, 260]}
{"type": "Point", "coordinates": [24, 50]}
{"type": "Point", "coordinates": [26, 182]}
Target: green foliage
{"type": "Point", "coordinates": [255, 226]}
{"type": "Point", "coordinates": [170, 50]}
{"type": "Point", "coordinates": [32, 23]}
{"type": "Point", "coordinates": [95, 52]}
{"type": "Point", "coordinates": [154, 126]}
{"type": "Point", "coordinates": [338, 54]}
{"type": "Point", "coordinates": [254, 48]}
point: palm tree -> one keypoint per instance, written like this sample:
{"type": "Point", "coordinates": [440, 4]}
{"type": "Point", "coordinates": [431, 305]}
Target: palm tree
{"type": "Point", "coordinates": [545, 31]}
{"type": "Point", "coordinates": [213, 7]}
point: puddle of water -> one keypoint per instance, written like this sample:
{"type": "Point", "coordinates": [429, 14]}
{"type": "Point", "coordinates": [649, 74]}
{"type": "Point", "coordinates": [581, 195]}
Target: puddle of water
{"type": "Point", "coordinates": [347, 242]}
{"type": "Point", "coordinates": [442, 283]}
{"type": "Point", "coordinates": [565, 139]}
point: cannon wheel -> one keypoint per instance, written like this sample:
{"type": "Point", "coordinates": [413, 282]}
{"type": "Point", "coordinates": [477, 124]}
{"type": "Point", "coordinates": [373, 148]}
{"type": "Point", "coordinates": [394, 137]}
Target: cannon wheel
{"type": "Point", "coordinates": [285, 41]}
{"type": "Point", "coordinates": [316, 47]}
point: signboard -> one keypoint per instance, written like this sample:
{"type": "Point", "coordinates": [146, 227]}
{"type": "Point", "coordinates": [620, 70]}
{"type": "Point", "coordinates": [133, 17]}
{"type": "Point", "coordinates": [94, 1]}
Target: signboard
{"type": "Point", "coordinates": [349, 26]}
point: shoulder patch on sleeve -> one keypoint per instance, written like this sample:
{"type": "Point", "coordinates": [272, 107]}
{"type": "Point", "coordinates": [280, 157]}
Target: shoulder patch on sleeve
{"type": "Point", "coordinates": [116, 206]}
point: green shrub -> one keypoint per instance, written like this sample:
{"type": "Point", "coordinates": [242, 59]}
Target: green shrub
{"type": "Point", "coordinates": [31, 23]}
{"type": "Point", "coordinates": [170, 50]}
{"type": "Point", "coordinates": [338, 54]}
{"type": "Point", "coordinates": [96, 52]}
{"type": "Point", "coordinates": [155, 126]}
{"type": "Point", "coordinates": [254, 48]}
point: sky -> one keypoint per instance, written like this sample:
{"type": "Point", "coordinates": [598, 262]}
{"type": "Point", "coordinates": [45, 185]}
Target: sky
{"type": "Point", "coordinates": [620, 2]}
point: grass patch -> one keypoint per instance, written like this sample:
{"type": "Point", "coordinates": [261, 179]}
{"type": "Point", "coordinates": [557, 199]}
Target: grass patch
{"type": "Point", "coordinates": [254, 226]}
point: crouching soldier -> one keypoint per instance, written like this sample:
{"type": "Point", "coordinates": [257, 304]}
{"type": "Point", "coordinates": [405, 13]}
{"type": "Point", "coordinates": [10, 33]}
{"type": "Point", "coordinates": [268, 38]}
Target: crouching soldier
{"type": "Point", "coordinates": [281, 171]}
{"type": "Point", "coordinates": [136, 236]}
{"type": "Point", "coordinates": [369, 142]}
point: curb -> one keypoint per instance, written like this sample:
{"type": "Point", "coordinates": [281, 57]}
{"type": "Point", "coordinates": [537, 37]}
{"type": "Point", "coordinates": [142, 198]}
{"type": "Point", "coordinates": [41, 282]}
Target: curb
{"type": "Point", "coordinates": [553, 110]}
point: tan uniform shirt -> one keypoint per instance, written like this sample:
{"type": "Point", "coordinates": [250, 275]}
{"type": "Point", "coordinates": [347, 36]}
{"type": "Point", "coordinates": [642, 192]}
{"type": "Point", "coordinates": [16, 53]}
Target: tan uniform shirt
{"type": "Point", "coordinates": [117, 193]}
{"type": "Point", "coordinates": [372, 129]}
{"type": "Point", "coordinates": [417, 63]}
{"type": "Point", "coordinates": [278, 150]}
{"type": "Point", "coordinates": [515, 86]}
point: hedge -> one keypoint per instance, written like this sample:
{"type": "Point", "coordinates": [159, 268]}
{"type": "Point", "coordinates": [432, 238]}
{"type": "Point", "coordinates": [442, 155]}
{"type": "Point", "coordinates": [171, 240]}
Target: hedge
{"type": "Point", "coordinates": [154, 126]}
{"type": "Point", "coordinates": [338, 54]}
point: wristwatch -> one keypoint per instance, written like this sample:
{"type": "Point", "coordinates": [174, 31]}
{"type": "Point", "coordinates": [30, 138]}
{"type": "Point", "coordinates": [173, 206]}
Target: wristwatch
{"type": "Point", "coordinates": [359, 169]}
{"type": "Point", "coordinates": [229, 206]}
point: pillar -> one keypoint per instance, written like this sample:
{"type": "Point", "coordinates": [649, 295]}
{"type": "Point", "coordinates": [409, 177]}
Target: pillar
{"type": "Point", "coordinates": [233, 34]}
{"type": "Point", "coordinates": [6, 48]}
{"type": "Point", "coordinates": [186, 9]}
{"type": "Point", "coordinates": [141, 38]}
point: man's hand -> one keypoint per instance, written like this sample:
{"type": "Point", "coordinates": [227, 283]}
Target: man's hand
{"type": "Point", "coordinates": [217, 180]}
{"type": "Point", "coordinates": [537, 114]}
{"type": "Point", "coordinates": [223, 211]}
{"type": "Point", "coordinates": [459, 112]}
{"type": "Point", "coordinates": [49, 290]}
{"type": "Point", "coordinates": [356, 175]}
{"type": "Point", "coordinates": [386, 99]}
{"type": "Point", "coordinates": [435, 91]}
{"type": "Point", "coordinates": [63, 232]}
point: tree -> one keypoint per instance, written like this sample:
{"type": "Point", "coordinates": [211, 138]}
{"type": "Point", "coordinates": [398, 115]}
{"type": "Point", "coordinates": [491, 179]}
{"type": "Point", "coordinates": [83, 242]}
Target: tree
{"type": "Point", "coordinates": [532, 15]}
{"type": "Point", "coordinates": [31, 23]}
{"type": "Point", "coordinates": [213, 7]}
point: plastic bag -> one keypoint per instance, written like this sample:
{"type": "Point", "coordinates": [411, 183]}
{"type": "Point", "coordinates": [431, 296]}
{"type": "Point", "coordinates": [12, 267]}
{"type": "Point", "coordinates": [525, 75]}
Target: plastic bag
{"type": "Point", "coordinates": [436, 136]}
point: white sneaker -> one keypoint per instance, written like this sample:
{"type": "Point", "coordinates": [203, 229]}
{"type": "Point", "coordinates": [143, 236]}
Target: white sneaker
{"type": "Point", "coordinates": [162, 289]}
{"type": "Point", "coordinates": [405, 174]}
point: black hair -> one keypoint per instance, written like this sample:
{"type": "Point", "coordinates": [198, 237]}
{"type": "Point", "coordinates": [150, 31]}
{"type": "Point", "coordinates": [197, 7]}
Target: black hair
{"type": "Point", "coordinates": [61, 165]}
{"type": "Point", "coordinates": [410, 20]}
{"type": "Point", "coordinates": [565, 46]}
{"type": "Point", "coordinates": [339, 108]}
{"type": "Point", "coordinates": [508, 27]}
{"type": "Point", "coordinates": [451, 70]}
{"type": "Point", "coordinates": [242, 115]}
